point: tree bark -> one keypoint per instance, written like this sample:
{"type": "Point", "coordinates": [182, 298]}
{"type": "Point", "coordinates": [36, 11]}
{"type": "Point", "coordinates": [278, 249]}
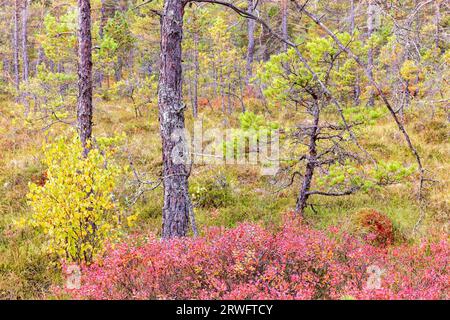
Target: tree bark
{"type": "Point", "coordinates": [16, 44]}
{"type": "Point", "coordinates": [171, 117]}
{"type": "Point", "coordinates": [251, 43]}
{"type": "Point", "coordinates": [84, 104]}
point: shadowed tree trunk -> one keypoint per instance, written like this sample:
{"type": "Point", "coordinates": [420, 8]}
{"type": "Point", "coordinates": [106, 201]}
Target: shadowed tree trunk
{"type": "Point", "coordinates": [84, 104]}
{"type": "Point", "coordinates": [251, 43]}
{"type": "Point", "coordinates": [171, 117]}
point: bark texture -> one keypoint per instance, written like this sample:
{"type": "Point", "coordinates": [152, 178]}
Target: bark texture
{"type": "Point", "coordinates": [171, 118]}
{"type": "Point", "coordinates": [84, 104]}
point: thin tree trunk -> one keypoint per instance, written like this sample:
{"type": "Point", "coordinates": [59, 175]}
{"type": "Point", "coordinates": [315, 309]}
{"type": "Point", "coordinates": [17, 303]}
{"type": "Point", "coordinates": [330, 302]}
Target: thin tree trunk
{"type": "Point", "coordinates": [16, 44]}
{"type": "Point", "coordinates": [120, 59]}
{"type": "Point", "coordinates": [356, 88]}
{"type": "Point", "coordinates": [25, 61]}
{"type": "Point", "coordinates": [40, 58]}
{"type": "Point", "coordinates": [437, 22]}
{"type": "Point", "coordinates": [84, 105]}
{"type": "Point", "coordinates": [284, 26]}
{"type": "Point", "coordinates": [171, 117]}
{"type": "Point", "coordinates": [6, 68]}
{"type": "Point", "coordinates": [311, 165]}
{"type": "Point", "coordinates": [118, 69]}
{"type": "Point", "coordinates": [196, 74]}
{"type": "Point", "coordinates": [103, 19]}
{"type": "Point", "coordinates": [352, 17]}
{"type": "Point", "coordinates": [251, 43]}
{"type": "Point", "coordinates": [370, 29]}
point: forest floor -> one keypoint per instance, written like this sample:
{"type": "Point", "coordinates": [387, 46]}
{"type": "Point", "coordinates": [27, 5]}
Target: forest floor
{"type": "Point", "coordinates": [245, 195]}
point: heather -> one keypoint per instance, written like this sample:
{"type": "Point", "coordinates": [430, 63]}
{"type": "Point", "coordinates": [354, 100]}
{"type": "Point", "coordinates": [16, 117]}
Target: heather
{"type": "Point", "coordinates": [250, 262]}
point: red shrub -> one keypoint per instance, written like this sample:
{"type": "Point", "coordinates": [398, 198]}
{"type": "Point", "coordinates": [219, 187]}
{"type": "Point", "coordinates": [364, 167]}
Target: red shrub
{"type": "Point", "coordinates": [378, 225]}
{"type": "Point", "coordinates": [248, 262]}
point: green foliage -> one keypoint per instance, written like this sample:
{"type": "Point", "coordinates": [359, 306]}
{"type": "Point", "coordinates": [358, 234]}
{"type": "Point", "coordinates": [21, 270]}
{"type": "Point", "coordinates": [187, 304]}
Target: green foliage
{"type": "Point", "coordinates": [105, 57]}
{"type": "Point", "coordinates": [51, 94]}
{"type": "Point", "coordinates": [118, 30]}
{"type": "Point", "coordinates": [391, 172]}
{"type": "Point", "coordinates": [350, 175]}
{"type": "Point", "coordinates": [59, 37]}
{"type": "Point", "coordinates": [213, 192]}
{"type": "Point", "coordinates": [363, 115]}
{"type": "Point", "coordinates": [76, 208]}
{"type": "Point", "coordinates": [251, 121]}
{"type": "Point", "coordinates": [247, 138]}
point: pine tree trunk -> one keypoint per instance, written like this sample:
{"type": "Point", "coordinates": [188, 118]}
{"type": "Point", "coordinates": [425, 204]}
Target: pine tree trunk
{"type": "Point", "coordinates": [84, 105]}
{"type": "Point", "coordinates": [171, 118]}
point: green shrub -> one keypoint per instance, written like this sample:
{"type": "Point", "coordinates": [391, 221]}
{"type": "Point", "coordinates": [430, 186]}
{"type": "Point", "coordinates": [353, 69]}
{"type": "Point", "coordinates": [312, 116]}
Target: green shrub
{"type": "Point", "coordinates": [213, 192]}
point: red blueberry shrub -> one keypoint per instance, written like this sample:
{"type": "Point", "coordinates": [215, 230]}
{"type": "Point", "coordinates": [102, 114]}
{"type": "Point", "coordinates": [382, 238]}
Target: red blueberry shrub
{"type": "Point", "coordinates": [249, 262]}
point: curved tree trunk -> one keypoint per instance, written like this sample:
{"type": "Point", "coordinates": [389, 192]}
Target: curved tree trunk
{"type": "Point", "coordinates": [84, 104]}
{"type": "Point", "coordinates": [171, 118]}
